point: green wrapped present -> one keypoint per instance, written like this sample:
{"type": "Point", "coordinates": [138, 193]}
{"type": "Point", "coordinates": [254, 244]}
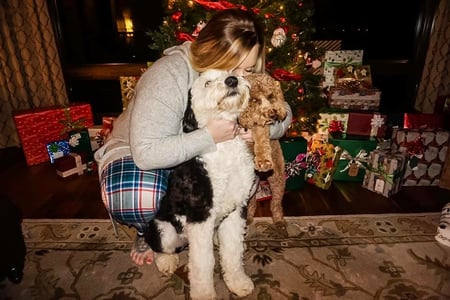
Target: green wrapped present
{"type": "Point", "coordinates": [294, 152]}
{"type": "Point", "coordinates": [354, 158]}
{"type": "Point", "coordinates": [80, 143]}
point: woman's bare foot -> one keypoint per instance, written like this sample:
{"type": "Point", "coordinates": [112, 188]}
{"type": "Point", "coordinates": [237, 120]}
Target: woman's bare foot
{"type": "Point", "coordinates": [141, 252]}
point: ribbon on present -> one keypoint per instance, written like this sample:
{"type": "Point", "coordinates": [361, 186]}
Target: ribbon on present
{"type": "Point", "coordinates": [70, 124]}
{"type": "Point", "coordinates": [295, 167]}
{"type": "Point", "coordinates": [336, 127]}
{"type": "Point", "coordinates": [376, 122]}
{"type": "Point", "coordinates": [361, 159]}
{"type": "Point", "coordinates": [350, 62]}
{"type": "Point", "coordinates": [415, 150]}
{"type": "Point", "coordinates": [381, 171]}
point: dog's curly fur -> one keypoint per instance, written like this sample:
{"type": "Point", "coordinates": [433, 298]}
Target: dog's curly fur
{"type": "Point", "coordinates": [208, 194]}
{"type": "Point", "coordinates": [266, 106]}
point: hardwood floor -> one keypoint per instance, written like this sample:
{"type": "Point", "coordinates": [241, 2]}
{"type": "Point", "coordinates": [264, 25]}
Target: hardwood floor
{"type": "Point", "coordinates": [40, 193]}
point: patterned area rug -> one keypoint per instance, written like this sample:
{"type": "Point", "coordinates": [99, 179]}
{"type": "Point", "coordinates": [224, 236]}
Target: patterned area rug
{"type": "Point", "coordinates": [324, 257]}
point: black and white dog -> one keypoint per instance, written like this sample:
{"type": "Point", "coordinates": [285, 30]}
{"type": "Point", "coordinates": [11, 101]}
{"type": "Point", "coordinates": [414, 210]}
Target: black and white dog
{"type": "Point", "coordinates": [208, 194]}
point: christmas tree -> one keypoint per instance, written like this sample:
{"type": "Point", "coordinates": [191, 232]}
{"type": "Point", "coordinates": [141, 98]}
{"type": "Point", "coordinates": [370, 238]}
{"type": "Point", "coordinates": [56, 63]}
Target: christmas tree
{"type": "Point", "coordinates": [291, 56]}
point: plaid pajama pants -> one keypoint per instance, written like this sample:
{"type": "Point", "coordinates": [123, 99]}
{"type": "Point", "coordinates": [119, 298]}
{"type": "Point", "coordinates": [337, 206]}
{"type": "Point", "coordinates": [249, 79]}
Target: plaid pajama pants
{"type": "Point", "coordinates": [131, 195]}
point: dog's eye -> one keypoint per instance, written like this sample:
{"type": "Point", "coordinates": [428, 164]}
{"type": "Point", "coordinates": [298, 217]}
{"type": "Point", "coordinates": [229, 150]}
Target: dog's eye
{"type": "Point", "coordinates": [271, 98]}
{"type": "Point", "coordinates": [207, 83]}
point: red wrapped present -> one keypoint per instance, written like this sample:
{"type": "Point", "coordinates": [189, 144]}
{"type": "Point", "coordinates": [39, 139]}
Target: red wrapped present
{"type": "Point", "coordinates": [70, 164]}
{"type": "Point", "coordinates": [366, 124]}
{"type": "Point", "coordinates": [423, 121]}
{"type": "Point", "coordinates": [38, 127]}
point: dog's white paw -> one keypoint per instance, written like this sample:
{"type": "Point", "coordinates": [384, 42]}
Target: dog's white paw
{"type": "Point", "coordinates": [203, 294]}
{"type": "Point", "coordinates": [166, 263]}
{"type": "Point", "coordinates": [240, 284]}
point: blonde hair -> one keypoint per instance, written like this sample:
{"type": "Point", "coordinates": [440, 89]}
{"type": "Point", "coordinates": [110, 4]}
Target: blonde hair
{"type": "Point", "coordinates": [226, 39]}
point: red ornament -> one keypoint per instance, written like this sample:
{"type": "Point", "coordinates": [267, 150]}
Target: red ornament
{"type": "Point", "coordinates": [283, 20]}
{"type": "Point", "coordinates": [176, 16]}
{"type": "Point", "coordinates": [268, 16]}
{"type": "Point", "coordinates": [283, 75]}
{"type": "Point", "coordinates": [300, 4]}
{"type": "Point", "coordinates": [256, 10]}
{"type": "Point", "coordinates": [183, 36]}
{"type": "Point", "coordinates": [301, 91]}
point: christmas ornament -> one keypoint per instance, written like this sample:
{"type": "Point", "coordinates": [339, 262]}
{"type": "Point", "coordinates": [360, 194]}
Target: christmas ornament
{"type": "Point", "coordinates": [176, 16]}
{"type": "Point", "coordinates": [198, 28]}
{"type": "Point", "coordinates": [278, 37]}
{"type": "Point", "coordinates": [316, 63]}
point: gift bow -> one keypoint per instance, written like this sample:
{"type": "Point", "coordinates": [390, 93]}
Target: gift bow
{"type": "Point", "coordinates": [360, 159]}
{"type": "Point", "coordinates": [381, 171]}
{"type": "Point", "coordinates": [376, 123]}
{"type": "Point", "coordinates": [294, 167]}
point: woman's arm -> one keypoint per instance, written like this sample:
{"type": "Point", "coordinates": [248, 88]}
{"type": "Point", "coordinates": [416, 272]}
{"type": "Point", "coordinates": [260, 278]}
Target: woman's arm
{"type": "Point", "coordinates": [156, 137]}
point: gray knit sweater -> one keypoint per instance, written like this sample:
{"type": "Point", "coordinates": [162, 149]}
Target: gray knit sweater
{"type": "Point", "coordinates": [150, 129]}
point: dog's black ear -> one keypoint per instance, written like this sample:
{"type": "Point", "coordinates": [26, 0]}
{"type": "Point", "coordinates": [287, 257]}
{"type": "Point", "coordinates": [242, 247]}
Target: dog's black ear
{"type": "Point", "coordinates": [189, 121]}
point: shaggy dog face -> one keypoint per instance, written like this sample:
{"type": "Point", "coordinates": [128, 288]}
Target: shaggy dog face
{"type": "Point", "coordinates": [208, 194]}
{"type": "Point", "coordinates": [266, 105]}
{"type": "Point", "coordinates": [217, 95]}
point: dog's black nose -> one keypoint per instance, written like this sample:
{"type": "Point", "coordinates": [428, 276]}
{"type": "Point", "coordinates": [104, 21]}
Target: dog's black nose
{"type": "Point", "coordinates": [231, 81]}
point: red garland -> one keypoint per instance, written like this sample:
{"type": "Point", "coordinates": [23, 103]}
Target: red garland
{"type": "Point", "coordinates": [183, 36]}
{"type": "Point", "coordinates": [219, 5]}
{"type": "Point", "coordinates": [283, 75]}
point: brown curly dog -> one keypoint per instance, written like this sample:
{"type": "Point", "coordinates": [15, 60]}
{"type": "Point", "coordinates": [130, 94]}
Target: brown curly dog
{"type": "Point", "coordinates": [266, 106]}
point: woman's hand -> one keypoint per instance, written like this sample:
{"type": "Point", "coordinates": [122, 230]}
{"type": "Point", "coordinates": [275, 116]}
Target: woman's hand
{"type": "Point", "coordinates": [246, 134]}
{"type": "Point", "coordinates": [222, 130]}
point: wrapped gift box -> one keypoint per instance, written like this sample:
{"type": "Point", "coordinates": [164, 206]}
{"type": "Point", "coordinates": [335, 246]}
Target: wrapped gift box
{"type": "Point", "coordinates": [322, 158]}
{"type": "Point", "coordinates": [294, 152]}
{"type": "Point", "coordinates": [342, 60]}
{"type": "Point", "coordinates": [423, 121]}
{"type": "Point", "coordinates": [356, 99]}
{"type": "Point", "coordinates": [263, 191]}
{"type": "Point", "coordinates": [327, 45]}
{"type": "Point", "coordinates": [385, 172]}
{"type": "Point", "coordinates": [354, 158]}
{"type": "Point", "coordinates": [80, 143]}
{"type": "Point", "coordinates": [57, 149]}
{"type": "Point", "coordinates": [332, 123]}
{"type": "Point", "coordinates": [427, 151]}
{"type": "Point", "coordinates": [70, 164]}
{"type": "Point", "coordinates": [99, 133]}
{"type": "Point", "coordinates": [366, 124]}
{"type": "Point", "coordinates": [38, 127]}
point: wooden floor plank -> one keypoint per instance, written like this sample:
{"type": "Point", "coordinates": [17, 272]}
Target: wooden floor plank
{"type": "Point", "coordinates": [40, 193]}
